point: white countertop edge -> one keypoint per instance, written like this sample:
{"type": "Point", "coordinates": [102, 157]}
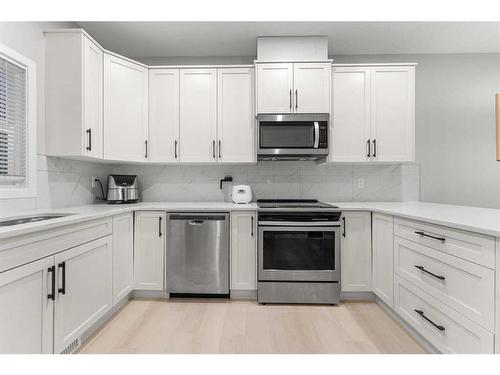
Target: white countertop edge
{"type": "Point", "coordinates": [479, 220]}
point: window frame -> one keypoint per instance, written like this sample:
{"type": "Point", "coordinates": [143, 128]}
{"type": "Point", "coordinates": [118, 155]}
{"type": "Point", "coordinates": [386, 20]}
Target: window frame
{"type": "Point", "coordinates": [27, 188]}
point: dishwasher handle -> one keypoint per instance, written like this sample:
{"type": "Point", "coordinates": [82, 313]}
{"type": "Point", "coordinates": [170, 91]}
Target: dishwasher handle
{"type": "Point", "coordinates": [197, 219]}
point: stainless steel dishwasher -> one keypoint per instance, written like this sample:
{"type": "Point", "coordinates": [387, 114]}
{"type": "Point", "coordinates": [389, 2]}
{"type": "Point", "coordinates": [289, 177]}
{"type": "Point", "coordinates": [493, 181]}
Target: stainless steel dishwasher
{"type": "Point", "coordinates": [197, 257]}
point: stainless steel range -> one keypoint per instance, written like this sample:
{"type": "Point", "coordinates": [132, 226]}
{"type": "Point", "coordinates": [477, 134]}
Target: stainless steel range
{"type": "Point", "coordinates": [299, 251]}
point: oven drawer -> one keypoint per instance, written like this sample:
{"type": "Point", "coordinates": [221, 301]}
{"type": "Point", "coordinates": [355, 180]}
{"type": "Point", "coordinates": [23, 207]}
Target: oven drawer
{"type": "Point", "coordinates": [466, 287]}
{"type": "Point", "coordinates": [446, 329]}
{"type": "Point", "coordinates": [474, 247]}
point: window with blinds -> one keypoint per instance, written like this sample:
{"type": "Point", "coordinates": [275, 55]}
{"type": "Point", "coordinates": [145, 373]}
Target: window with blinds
{"type": "Point", "coordinates": [12, 121]}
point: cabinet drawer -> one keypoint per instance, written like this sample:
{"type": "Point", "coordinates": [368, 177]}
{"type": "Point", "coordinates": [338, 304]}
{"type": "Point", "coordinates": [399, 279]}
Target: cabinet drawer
{"type": "Point", "coordinates": [477, 248]}
{"type": "Point", "coordinates": [22, 249]}
{"type": "Point", "coordinates": [446, 329]}
{"type": "Point", "coordinates": [464, 286]}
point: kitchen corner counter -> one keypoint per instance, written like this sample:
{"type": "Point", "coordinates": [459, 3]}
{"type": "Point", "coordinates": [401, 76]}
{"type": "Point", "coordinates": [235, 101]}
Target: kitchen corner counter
{"type": "Point", "coordinates": [96, 211]}
{"type": "Point", "coordinates": [474, 219]}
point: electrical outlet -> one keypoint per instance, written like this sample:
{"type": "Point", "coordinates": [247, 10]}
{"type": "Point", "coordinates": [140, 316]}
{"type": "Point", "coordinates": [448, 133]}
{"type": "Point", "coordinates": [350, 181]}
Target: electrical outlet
{"type": "Point", "coordinates": [361, 183]}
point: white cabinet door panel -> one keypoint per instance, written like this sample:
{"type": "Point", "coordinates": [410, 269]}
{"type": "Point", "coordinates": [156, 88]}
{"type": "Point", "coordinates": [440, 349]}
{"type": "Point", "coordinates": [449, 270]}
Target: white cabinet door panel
{"type": "Point", "coordinates": [236, 115]}
{"type": "Point", "coordinates": [243, 251]}
{"type": "Point", "coordinates": [198, 115]}
{"type": "Point", "coordinates": [26, 311]}
{"type": "Point", "coordinates": [383, 257]}
{"type": "Point", "coordinates": [312, 83]}
{"type": "Point", "coordinates": [125, 109]}
{"type": "Point", "coordinates": [356, 257]}
{"type": "Point", "coordinates": [123, 256]}
{"type": "Point", "coordinates": [350, 121]}
{"type": "Point", "coordinates": [393, 113]}
{"type": "Point", "coordinates": [149, 250]}
{"type": "Point", "coordinates": [93, 98]}
{"type": "Point", "coordinates": [164, 115]}
{"type": "Point", "coordinates": [274, 88]}
{"type": "Point", "coordinates": [87, 288]}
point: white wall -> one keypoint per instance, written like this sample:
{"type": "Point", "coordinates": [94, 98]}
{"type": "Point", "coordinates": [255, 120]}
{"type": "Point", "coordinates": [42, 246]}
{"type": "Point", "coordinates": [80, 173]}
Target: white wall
{"type": "Point", "coordinates": [60, 183]}
{"type": "Point", "coordinates": [455, 126]}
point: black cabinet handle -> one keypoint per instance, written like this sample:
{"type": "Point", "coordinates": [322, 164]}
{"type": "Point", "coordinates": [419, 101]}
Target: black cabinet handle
{"type": "Point", "coordinates": [421, 313]}
{"type": "Point", "coordinates": [52, 294]}
{"type": "Point", "coordinates": [421, 268]}
{"type": "Point", "coordinates": [146, 155]}
{"type": "Point", "coordinates": [63, 267]}
{"type": "Point", "coordinates": [296, 98]}
{"type": "Point", "coordinates": [89, 132]}
{"type": "Point", "coordinates": [442, 239]}
{"type": "Point", "coordinates": [175, 147]}
{"type": "Point", "coordinates": [368, 143]}
{"type": "Point", "coordinates": [343, 222]}
{"type": "Point", "coordinates": [251, 230]}
{"type": "Point", "coordinates": [159, 227]}
{"type": "Point", "coordinates": [290, 98]}
{"type": "Point", "coordinates": [213, 149]}
{"type": "Point", "coordinates": [374, 148]}
{"type": "Point", "coordinates": [220, 145]}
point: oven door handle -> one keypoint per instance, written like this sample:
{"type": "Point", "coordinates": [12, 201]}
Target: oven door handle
{"type": "Point", "coordinates": [316, 134]}
{"type": "Point", "coordinates": [300, 223]}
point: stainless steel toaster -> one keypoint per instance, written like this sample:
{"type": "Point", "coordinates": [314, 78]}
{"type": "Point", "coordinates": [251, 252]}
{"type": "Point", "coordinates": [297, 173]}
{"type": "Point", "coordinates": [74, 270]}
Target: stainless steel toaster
{"type": "Point", "coordinates": [122, 188]}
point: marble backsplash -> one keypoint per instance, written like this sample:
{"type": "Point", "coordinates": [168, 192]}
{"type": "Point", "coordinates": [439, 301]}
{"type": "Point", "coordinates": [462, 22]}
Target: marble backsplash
{"type": "Point", "coordinates": [64, 182]}
{"type": "Point", "coordinates": [326, 182]}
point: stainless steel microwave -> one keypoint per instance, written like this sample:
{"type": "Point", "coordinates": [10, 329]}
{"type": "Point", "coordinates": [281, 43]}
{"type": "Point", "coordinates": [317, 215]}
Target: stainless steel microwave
{"type": "Point", "coordinates": [292, 137]}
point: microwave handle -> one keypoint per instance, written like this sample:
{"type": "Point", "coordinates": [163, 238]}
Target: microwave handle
{"type": "Point", "coordinates": [316, 134]}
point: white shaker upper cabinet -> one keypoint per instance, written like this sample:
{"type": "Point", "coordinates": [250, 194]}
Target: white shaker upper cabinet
{"type": "Point", "coordinates": [236, 115]}
{"type": "Point", "coordinates": [74, 95]}
{"type": "Point", "coordinates": [164, 115]}
{"type": "Point", "coordinates": [198, 115]}
{"type": "Point", "coordinates": [393, 113]}
{"type": "Point", "coordinates": [125, 109]}
{"type": "Point", "coordinates": [26, 308]}
{"type": "Point", "coordinates": [383, 257]}
{"type": "Point", "coordinates": [356, 248]}
{"type": "Point", "coordinates": [275, 88]}
{"type": "Point", "coordinates": [312, 83]}
{"type": "Point", "coordinates": [350, 122]}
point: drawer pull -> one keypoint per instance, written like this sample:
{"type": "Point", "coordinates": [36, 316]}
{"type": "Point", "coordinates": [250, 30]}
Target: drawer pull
{"type": "Point", "coordinates": [421, 313]}
{"type": "Point", "coordinates": [442, 239]}
{"type": "Point", "coordinates": [421, 268]}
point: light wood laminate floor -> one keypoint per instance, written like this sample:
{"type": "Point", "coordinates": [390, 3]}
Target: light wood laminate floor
{"type": "Point", "coordinates": [179, 326]}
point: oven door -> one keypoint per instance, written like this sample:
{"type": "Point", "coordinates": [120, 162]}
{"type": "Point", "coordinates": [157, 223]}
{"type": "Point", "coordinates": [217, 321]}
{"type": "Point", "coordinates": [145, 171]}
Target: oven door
{"type": "Point", "coordinates": [299, 253]}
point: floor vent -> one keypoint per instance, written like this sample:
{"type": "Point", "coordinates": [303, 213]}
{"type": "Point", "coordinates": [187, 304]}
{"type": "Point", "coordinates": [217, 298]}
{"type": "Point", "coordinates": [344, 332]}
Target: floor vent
{"type": "Point", "coordinates": [72, 347]}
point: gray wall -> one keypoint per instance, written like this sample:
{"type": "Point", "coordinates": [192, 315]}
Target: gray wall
{"type": "Point", "coordinates": [455, 126]}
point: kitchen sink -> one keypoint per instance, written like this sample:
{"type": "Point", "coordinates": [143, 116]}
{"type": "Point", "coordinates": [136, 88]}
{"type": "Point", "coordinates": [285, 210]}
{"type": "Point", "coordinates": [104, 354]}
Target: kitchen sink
{"type": "Point", "coordinates": [30, 219]}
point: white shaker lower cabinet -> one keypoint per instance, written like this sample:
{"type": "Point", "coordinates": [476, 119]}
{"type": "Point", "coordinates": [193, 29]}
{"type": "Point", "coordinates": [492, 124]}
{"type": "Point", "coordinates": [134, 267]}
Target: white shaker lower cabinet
{"type": "Point", "coordinates": [83, 289]}
{"type": "Point", "coordinates": [125, 109]}
{"type": "Point", "coordinates": [123, 256]}
{"type": "Point", "coordinates": [198, 115]}
{"type": "Point", "coordinates": [26, 308]}
{"type": "Point", "coordinates": [356, 252]}
{"type": "Point", "coordinates": [149, 250]}
{"type": "Point", "coordinates": [383, 257]}
{"type": "Point", "coordinates": [236, 115]}
{"type": "Point", "coordinates": [243, 250]}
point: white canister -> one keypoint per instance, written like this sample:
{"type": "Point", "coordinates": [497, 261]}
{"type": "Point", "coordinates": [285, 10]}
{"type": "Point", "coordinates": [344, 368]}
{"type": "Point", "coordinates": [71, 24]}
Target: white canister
{"type": "Point", "coordinates": [242, 194]}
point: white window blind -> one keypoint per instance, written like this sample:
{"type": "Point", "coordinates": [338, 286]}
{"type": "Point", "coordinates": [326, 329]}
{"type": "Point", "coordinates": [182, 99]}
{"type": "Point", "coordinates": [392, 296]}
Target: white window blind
{"type": "Point", "coordinates": [12, 121]}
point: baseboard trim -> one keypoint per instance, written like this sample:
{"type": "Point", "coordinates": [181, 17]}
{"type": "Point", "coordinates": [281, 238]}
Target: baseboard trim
{"type": "Point", "coordinates": [357, 296]}
{"type": "Point", "coordinates": [243, 294]}
{"type": "Point", "coordinates": [103, 320]}
{"type": "Point", "coordinates": [150, 294]}
{"type": "Point", "coordinates": [416, 335]}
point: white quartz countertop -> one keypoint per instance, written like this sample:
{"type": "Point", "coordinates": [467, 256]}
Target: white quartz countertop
{"type": "Point", "coordinates": [95, 211]}
{"type": "Point", "coordinates": [480, 220]}
{"type": "Point", "coordinates": [475, 219]}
